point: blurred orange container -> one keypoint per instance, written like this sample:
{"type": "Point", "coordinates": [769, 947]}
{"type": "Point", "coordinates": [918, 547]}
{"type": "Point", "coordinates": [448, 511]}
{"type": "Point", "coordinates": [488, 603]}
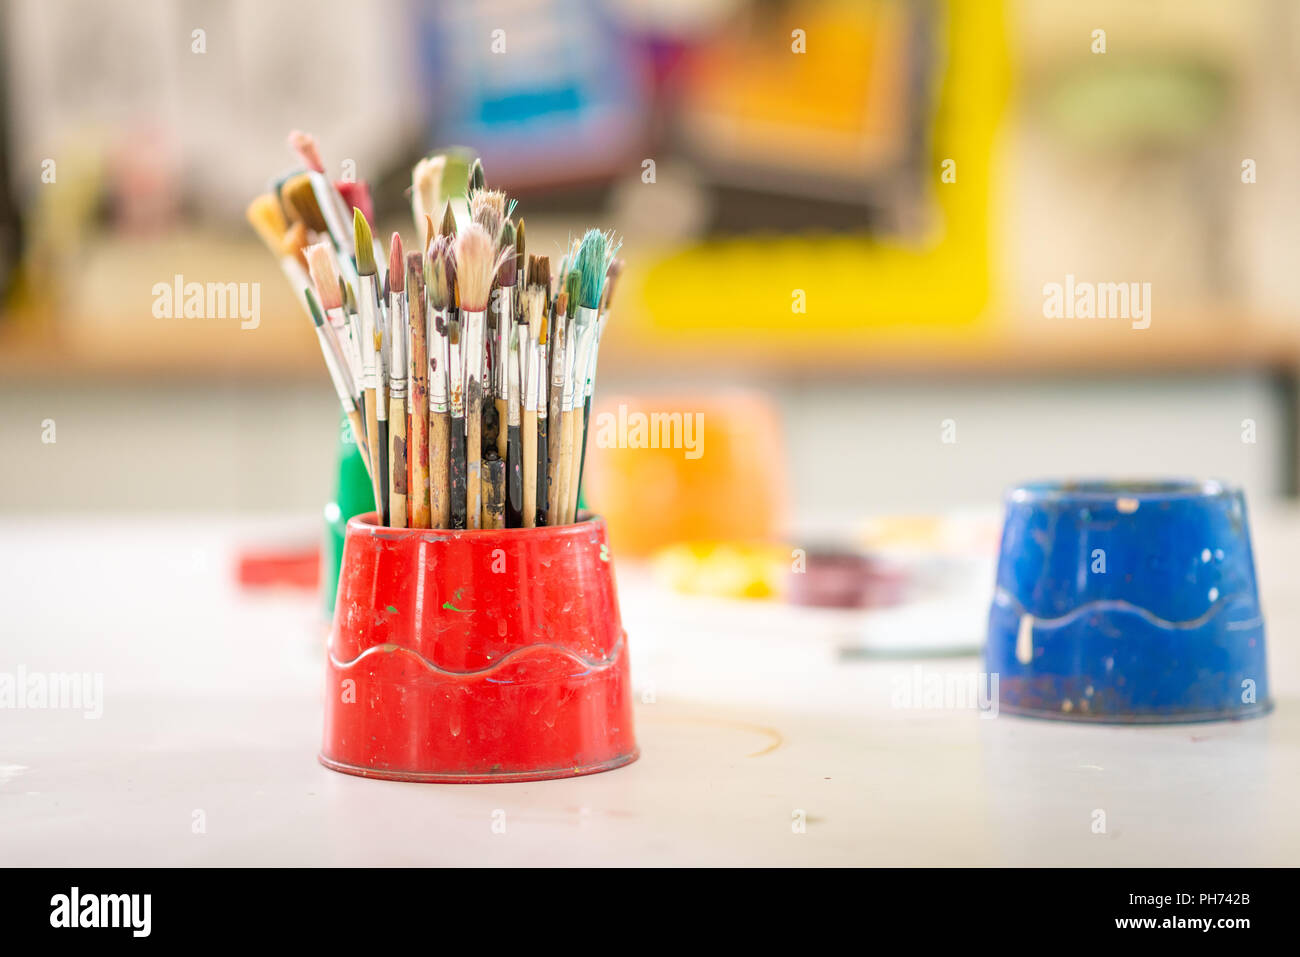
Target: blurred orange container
{"type": "Point", "coordinates": [670, 468]}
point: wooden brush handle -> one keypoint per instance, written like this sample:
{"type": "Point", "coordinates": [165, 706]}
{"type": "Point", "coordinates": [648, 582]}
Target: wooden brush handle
{"type": "Point", "coordinates": [372, 444]}
{"type": "Point", "coordinates": [528, 429]}
{"type": "Point", "coordinates": [543, 457]}
{"type": "Point", "coordinates": [457, 490]}
{"type": "Point", "coordinates": [474, 457]}
{"type": "Point", "coordinates": [494, 493]}
{"type": "Point", "coordinates": [563, 469]}
{"type": "Point", "coordinates": [575, 465]}
{"type": "Point", "coordinates": [439, 469]}
{"type": "Point", "coordinates": [502, 440]}
{"type": "Point", "coordinates": [397, 487]}
{"type": "Point", "coordinates": [418, 504]}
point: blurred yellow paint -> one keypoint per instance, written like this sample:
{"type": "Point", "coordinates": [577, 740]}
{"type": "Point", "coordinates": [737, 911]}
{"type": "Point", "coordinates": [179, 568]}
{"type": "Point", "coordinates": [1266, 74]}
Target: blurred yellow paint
{"type": "Point", "coordinates": [856, 288]}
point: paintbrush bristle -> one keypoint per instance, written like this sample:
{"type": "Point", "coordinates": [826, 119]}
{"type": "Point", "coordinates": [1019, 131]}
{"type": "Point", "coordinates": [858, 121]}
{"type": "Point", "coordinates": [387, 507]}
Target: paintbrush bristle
{"type": "Point", "coordinates": [476, 178]}
{"type": "Point", "coordinates": [349, 296]}
{"type": "Point", "coordinates": [535, 307]}
{"type": "Point", "coordinates": [539, 272]}
{"type": "Point", "coordinates": [507, 275]}
{"type": "Point", "coordinates": [448, 225]}
{"type": "Point", "coordinates": [590, 265]}
{"type": "Point", "coordinates": [484, 211]}
{"type": "Point", "coordinates": [267, 218]}
{"type": "Point", "coordinates": [304, 144]}
{"type": "Point", "coordinates": [299, 200]}
{"type": "Point", "coordinates": [440, 274]}
{"type": "Point", "coordinates": [429, 232]}
{"type": "Point", "coordinates": [366, 265]}
{"type": "Point", "coordinates": [611, 282]}
{"type": "Point", "coordinates": [294, 243]}
{"type": "Point", "coordinates": [320, 265]}
{"type": "Point", "coordinates": [571, 288]}
{"type": "Point", "coordinates": [426, 186]}
{"type": "Point", "coordinates": [477, 259]}
{"type": "Point", "coordinates": [396, 270]}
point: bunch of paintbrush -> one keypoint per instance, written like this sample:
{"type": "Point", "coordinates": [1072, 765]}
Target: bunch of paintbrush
{"type": "Point", "coordinates": [465, 371]}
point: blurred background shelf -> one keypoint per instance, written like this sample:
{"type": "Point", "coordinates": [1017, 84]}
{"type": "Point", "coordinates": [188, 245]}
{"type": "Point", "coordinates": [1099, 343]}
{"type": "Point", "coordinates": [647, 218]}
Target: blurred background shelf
{"type": "Point", "coordinates": [283, 348]}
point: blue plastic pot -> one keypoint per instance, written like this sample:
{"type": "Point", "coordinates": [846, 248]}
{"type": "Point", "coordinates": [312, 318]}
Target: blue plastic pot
{"type": "Point", "coordinates": [1129, 602]}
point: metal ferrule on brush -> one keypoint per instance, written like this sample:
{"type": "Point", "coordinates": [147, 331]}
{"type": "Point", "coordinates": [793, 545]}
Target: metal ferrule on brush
{"type": "Point", "coordinates": [503, 306]}
{"type": "Point", "coordinates": [584, 324]}
{"type": "Point", "coordinates": [438, 361]}
{"type": "Point", "coordinates": [398, 322]}
{"type": "Point", "coordinates": [533, 382]}
{"type": "Point", "coordinates": [513, 385]}
{"type": "Point", "coordinates": [368, 311]}
{"type": "Point", "coordinates": [472, 326]}
{"type": "Point", "coordinates": [456, 375]}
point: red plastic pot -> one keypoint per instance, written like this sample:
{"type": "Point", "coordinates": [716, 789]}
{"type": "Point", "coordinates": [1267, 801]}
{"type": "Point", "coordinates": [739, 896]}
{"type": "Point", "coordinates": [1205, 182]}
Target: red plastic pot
{"type": "Point", "coordinates": [477, 656]}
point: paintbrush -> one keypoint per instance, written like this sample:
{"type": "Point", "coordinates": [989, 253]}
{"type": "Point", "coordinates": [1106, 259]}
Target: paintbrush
{"type": "Point", "coordinates": [426, 185]}
{"type": "Point", "coordinates": [448, 225]}
{"type": "Point", "coordinates": [556, 425]}
{"type": "Point", "coordinates": [370, 316]}
{"type": "Point", "coordinates": [399, 332]}
{"type": "Point", "coordinates": [503, 312]}
{"type": "Point", "coordinates": [611, 281]}
{"type": "Point", "coordinates": [334, 212]}
{"type": "Point", "coordinates": [457, 476]}
{"type": "Point", "coordinates": [440, 280]}
{"type": "Point", "coordinates": [591, 266]}
{"type": "Point", "coordinates": [267, 219]}
{"type": "Point", "coordinates": [476, 265]}
{"type": "Point", "coordinates": [530, 370]}
{"type": "Point", "coordinates": [494, 490]}
{"type": "Point", "coordinates": [521, 267]}
{"type": "Point", "coordinates": [539, 278]}
{"type": "Point", "coordinates": [383, 346]}
{"type": "Point", "coordinates": [477, 180]}
{"type": "Point", "coordinates": [514, 437]}
{"type": "Point", "coordinates": [418, 504]}
{"type": "Point", "coordinates": [329, 291]}
{"type": "Point", "coordinates": [337, 376]}
{"type": "Point", "coordinates": [568, 421]}
{"type": "Point", "coordinates": [298, 198]}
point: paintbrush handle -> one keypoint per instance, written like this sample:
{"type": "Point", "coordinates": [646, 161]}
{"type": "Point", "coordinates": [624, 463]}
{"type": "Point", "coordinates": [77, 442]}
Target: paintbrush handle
{"type": "Point", "coordinates": [397, 486]}
{"type": "Point", "coordinates": [543, 486]}
{"type": "Point", "coordinates": [582, 451]}
{"type": "Point", "coordinates": [384, 491]}
{"type": "Point", "coordinates": [502, 426]}
{"type": "Point", "coordinates": [574, 460]}
{"type": "Point", "coordinates": [439, 469]}
{"type": "Point", "coordinates": [372, 444]}
{"type": "Point", "coordinates": [494, 492]}
{"type": "Point", "coordinates": [458, 491]}
{"type": "Point", "coordinates": [514, 478]}
{"type": "Point", "coordinates": [563, 470]}
{"type": "Point", "coordinates": [420, 503]}
{"type": "Point", "coordinates": [474, 456]}
{"type": "Point", "coordinates": [528, 452]}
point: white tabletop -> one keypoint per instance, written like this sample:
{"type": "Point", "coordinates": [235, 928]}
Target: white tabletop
{"type": "Point", "coordinates": [206, 749]}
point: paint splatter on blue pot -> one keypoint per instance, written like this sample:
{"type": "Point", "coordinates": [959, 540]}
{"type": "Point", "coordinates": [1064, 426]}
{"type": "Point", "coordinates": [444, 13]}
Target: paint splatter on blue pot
{"type": "Point", "coordinates": [1127, 601]}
